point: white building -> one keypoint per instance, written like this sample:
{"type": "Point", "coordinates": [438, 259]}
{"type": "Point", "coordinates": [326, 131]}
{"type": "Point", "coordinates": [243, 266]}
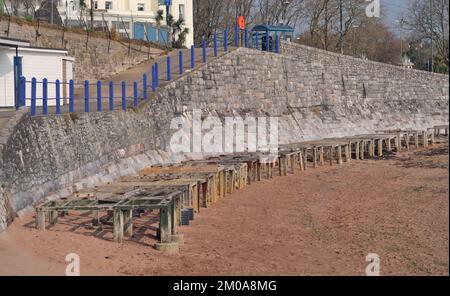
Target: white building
{"type": "Point", "coordinates": [406, 62]}
{"type": "Point", "coordinates": [131, 18]}
{"type": "Point", "coordinates": [18, 58]}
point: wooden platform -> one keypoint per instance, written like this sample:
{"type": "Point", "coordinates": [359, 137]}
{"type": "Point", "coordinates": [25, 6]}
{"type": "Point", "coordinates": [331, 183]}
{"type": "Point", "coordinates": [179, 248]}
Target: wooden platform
{"type": "Point", "coordinates": [177, 190]}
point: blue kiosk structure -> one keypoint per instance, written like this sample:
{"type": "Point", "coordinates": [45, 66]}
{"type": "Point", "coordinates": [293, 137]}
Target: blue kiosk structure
{"type": "Point", "coordinates": [261, 33]}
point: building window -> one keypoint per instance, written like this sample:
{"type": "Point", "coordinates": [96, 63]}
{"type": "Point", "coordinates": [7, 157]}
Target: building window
{"type": "Point", "coordinates": [121, 25]}
{"type": "Point", "coordinates": [181, 8]}
{"type": "Point", "coordinates": [140, 7]}
{"type": "Point", "coordinates": [108, 5]}
{"type": "Point", "coordinates": [95, 4]}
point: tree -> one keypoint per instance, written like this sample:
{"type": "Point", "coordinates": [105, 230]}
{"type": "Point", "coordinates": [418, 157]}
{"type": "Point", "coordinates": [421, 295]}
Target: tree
{"type": "Point", "coordinates": [322, 17]}
{"type": "Point", "coordinates": [428, 22]}
{"type": "Point", "coordinates": [91, 13]}
{"type": "Point", "coordinates": [179, 33]}
{"type": "Point", "coordinates": [30, 6]}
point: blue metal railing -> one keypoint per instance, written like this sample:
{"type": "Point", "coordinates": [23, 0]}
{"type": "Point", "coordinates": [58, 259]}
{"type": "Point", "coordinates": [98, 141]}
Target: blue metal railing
{"type": "Point", "coordinates": [62, 95]}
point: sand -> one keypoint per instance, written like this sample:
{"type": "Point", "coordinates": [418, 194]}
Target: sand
{"type": "Point", "coordinates": [320, 222]}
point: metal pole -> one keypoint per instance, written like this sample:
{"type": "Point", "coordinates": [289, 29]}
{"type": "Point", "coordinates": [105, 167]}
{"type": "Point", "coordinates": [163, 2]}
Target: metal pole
{"type": "Point", "coordinates": [431, 32]}
{"type": "Point", "coordinates": [401, 39]}
{"type": "Point", "coordinates": [51, 16]}
{"type": "Point", "coordinates": [167, 14]}
{"type": "Point", "coordinates": [341, 39]}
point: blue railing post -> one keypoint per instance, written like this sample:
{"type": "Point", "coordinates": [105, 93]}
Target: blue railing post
{"type": "Point", "coordinates": [86, 96]}
{"type": "Point", "coordinates": [99, 96]}
{"type": "Point", "coordinates": [44, 96]}
{"type": "Point", "coordinates": [111, 96]}
{"type": "Point", "coordinates": [225, 40]}
{"type": "Point", "coordinates": [33, 96]}
{"type": "Point", "coordinates": [144, 87]}
{"type": "Point", "coordinates": [246, 37]}
{"type": "Point", "coordinates": [277, 44]}
{"type": "Point", "coordinates": [135, 94]}
{"type": "Point", "coordinates": [257, 40]}
{"type": "Point", "coordinates": [169, 64]}
{"type": "Point", "coordinates": [180, 61]}
{"type": "Point", "coordinates": [71, 96]}
{"type": "Point", "coordinates": [267, 41]}
{"type": "Point", "coordinates": [192, 57]}
{"type": "Point", "coordinates": [215, 45]}
{"type": "Point", "coordinates": [58, 96]}
{"type": "Point", "coordinates": [124, 96]}
{"type": "Point", "coordinates": [153, 79]}
{"type": "Point", "coordinates": [204, 50]}
{"type": "Point", "coordinates": [236, 35]}
{"type": "Point", "coordinates": [22, 91]}
{"type": "Point", "coordinates": [156, 74]}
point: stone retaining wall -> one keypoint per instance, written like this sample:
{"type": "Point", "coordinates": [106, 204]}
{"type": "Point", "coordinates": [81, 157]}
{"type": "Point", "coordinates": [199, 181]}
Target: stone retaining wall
{"type": "Point", "coordinates": [314, 93]}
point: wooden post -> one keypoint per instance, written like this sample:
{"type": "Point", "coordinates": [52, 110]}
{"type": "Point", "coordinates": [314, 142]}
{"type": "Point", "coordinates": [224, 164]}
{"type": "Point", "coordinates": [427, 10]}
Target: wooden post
{"type": "Point", "coordinates": [305, 159]}
{"type": "Point", "coordinates": [380, 147]}
{"type": "Point", "coordinates": [416, 139]}
{"type": "Point", "coordinates": [361, 149]}
{"type": "Point", "coordinates": [348, 155]}
{"type": "Point", "coordinates": [128, 223]}
{"type": "Point", "coordinates": [174, 216]}
{"type": "Point", "coordinates": [292, 158]}
{"type": "Point", "coordinates": [118, 225]}
{"type": "Point", "coordinates": [300, 161]}
{"type": "Point", "coordinates": [389, 145]}
{"type": "Point", "coordinates": [315, 156]}
{"type": "Point", "coordinates": [371, 148]}
{"type": "Point", "coordinates": [53, 216]}
{"type": "Point", "coordinates": [432, 139]}
{"type": "Point", "coordinates": [40, 219]}
{"type": "Point", "coordinates": [425, 139]}
{"type": "Point", "coordinates": [399, 142]}
{"type": "Point", "coordinates": [271, 165]}
{"type": "Point", "coordinates": [164, 225]}
{"type": "Point", "coordinates": [259, 173]}
{"type": "Point", "coordinates": [321, 156]}
{"type": "Point", "coordinates": [285, 164]}
{"type": "Point", "coordinates": [95, 218]}
{"type": "Point", "coordinates": [204, 197]}
{"type": "Point", "coordinates": [340, 154]}
{"type": "Point", "coordinates": [279, 166]}
{"type": "Point", "coordinates": [234, 178]}
{"type": "Point", "coordinates": [331, 154]}
{"type": "Point", "coordinates": [407, 140]}
{"type": "Point", "coordinates": [224, 182]}
{"type": "Point", "coordinates": [357, 150]}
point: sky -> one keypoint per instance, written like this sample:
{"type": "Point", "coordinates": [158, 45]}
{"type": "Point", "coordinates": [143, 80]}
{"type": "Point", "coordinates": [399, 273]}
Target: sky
{"type": "Point", "coordinates": [393, 9]}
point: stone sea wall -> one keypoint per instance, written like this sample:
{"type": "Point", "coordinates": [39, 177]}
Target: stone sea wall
{"type": "Point", "coordinates": [314, 93]}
